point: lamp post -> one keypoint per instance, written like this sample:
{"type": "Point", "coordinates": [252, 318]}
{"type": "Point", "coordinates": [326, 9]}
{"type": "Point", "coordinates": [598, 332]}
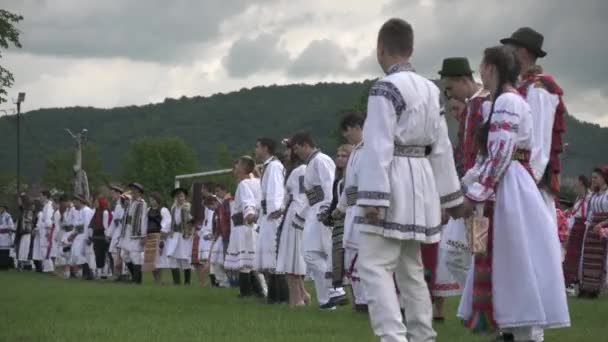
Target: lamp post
{"type": "Point", "coordinates": [20, 99]}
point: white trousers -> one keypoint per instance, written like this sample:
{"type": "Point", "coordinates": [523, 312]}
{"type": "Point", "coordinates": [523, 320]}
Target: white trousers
{"type": "Point", "coordinates": [316, 262]}
{"type": "Point", "coordinates": [351, 266]}
{"type": "Point", "coordinates": [378, 258]}
{"type": "Point", "coordinates": [135, 258]}
{"type": "Point", "coordinates": [536, 334]}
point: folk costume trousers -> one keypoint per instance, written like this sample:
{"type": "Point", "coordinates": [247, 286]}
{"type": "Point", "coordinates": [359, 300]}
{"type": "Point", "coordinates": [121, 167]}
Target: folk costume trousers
{"type": "Point", "coordinates": [317, 263]}
{"type": "Point", "coordinates": [378, 258]}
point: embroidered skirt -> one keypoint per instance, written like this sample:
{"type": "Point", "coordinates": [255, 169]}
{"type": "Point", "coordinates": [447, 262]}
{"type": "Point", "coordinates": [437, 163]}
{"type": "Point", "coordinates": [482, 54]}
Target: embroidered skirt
{"type": "Point", "coordinates": [151, 251]}
{"type": "Point", "coordinates": [594, 259]}
{"type": "Point", "coordinates": [574, 249]}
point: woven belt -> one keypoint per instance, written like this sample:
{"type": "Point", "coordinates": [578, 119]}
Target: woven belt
{"type": "Point", "coordinates": [238, 219]}
{"type": "Point", "coordinates": [80, 229]}
{"type": "Point", "coordinates": [410, 151]}
{"type": "Point", "coordinates": [67, 227]}
{"type": "Point", "coordinates": [522, 156]}
{"type": "Point", "coordinates": [264, 207]}
{"type": "Point", "coordinates": [315, 195]}
{"type": "Point", "coordinates": [5, 231]}
{"type": "Point", "coordinates": [351, 195]}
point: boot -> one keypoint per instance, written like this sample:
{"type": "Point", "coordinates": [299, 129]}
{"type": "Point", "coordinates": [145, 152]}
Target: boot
{"type": "Point", "coordinates": [244, 285]}
{"type": "Point", "coordinates": [131, 270]}
{"type": "Point", "coordinates": [272, 289]}
{"type": "Point", "coordinates": [137, 277]}
{"type": "Point", "coordinates": [283, 296]}
{"type": "Point", "coordinates": [213, 280]}
{"type": "Point", "coordinates": [187, 276]}
{"type": "Point", "coordinates": [176, 276]}
{"type": "Point", "coordinates": [87, 274]}
{"type": "Point", "coordinates": [256, 285]}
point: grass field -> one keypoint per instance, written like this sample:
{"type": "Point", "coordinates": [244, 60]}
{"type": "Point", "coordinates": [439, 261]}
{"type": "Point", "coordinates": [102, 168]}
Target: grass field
{"type": "Point", "coordinates": [39, 307]}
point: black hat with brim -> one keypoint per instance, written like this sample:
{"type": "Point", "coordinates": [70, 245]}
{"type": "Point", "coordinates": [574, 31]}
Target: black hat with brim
{"type": "Point", "coordinates": [117, 188]}
{"type": "Point", "coordinates": [137, 187]}
{"type": "Point", "coordinates": [455, 66]}
{"type": "Point", "coordinates": [80, 198]}
{"type": "Point", "coordinates": [178, 190]}
{"type": "Point", "coordinates": [529, 39]}
{"type": "Point", "coordinates": [4, 206]}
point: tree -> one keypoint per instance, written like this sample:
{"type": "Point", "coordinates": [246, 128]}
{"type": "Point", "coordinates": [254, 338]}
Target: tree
{"type": "Point", "coordinates": [8, 34]}
{"type": "Point", "coordinates": [58, 170]}
{"type": "Point", "coordinates": [154, 163]}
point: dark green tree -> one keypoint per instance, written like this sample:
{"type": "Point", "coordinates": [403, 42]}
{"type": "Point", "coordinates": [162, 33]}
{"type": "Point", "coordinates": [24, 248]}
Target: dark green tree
{"type": "Point", "coordinates": [9, 35]}
{"type": "Point", "coordinates": [58, 170]}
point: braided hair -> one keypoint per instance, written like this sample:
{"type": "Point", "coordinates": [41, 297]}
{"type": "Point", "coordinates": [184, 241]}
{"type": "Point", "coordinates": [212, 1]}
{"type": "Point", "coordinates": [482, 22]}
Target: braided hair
{"type": "Point", "coordinates": [507, 67]}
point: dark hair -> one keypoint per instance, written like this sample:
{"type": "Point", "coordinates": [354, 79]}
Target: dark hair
{"type": "Point", "coordinates": [292, 163]}
{"type": "Point", "coordinates": [352, 120]}
{"type": "Point", "coordinates": [507, 68]}
{"type": "Point", "coordinates": [248, 163]}
{"type": "Point", "coordinates": [220, 186]}
{"type": "Point", "coordinates": [602, 173]}
{"type": "Point", "coordinates": [585, 181]}
{"type": "Point", "coordinates": [302, 138]}
{"type": "Point", "coordinates": [269, 143]}
{"type": "Point", "coordinates": [397, 37]}
{"type": "Point", "coordinates": [64, 198]}
{"type": "Point", "coordinates": [158, 198]}
{"type": "Point", "coordinates": [46, 193]}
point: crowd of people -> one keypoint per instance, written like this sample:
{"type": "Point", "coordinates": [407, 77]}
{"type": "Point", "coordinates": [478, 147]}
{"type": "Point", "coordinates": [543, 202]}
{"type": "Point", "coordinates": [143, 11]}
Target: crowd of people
{"type": "Point", "coordinates": [400, 216]}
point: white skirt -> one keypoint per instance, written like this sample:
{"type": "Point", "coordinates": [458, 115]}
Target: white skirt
{"type": "Point", "coordinates": [204, 249]}
{"type": "Point", "coordinates": [78, 255]}
{"type": "Point", "coordinates": [115, 242]}
{"type": "Point", "coordinates": [217, 252]}
{"type": "Point", "coordinates": [241, 249]}
{"type": "Point", "coordinates": [266, 249]}
{"type": "Point", "coordinates": [527, 278]}
{"type": "Point", "coordinates": [24, 247]}
{"type": "Point", "coordinates": [290, 259]}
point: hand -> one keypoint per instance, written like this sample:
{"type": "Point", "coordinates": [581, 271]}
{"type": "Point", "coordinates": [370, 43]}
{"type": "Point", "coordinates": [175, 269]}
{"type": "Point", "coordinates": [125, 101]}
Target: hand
{"type": "Point", "coordinates": [456, 212]}
{"type": "Point", "coordinates": [445, 217]}
{"type": "Point", "coordinates": [337, 214]}
{"type": "Point", "coordinates": [468, 207]}
{"type": "Point", "coordinates": [250, 219]}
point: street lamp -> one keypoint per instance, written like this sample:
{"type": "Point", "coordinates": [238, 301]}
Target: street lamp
{"type": "Point", "coordinates": [20, 99]}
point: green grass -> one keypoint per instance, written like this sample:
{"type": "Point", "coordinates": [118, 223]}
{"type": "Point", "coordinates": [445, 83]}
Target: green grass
{"type": "Point", "coordinates": [38, 307]}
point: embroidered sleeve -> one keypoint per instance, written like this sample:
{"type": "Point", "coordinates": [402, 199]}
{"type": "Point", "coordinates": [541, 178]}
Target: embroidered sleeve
{"type": "Point", "coordinates": [501, 145]}
{"type": "Point", "coordinates": [444, 168]}
{"type": "Point", "coordinates": [248, 200]}
{"type": "Point", "coordinates": [385, 103]}
{"type": "Point", "coordinates": [326, 171]}
{"type": "Point", "coordinates": [165, 222]}
{"type": "Point", "coordinates": [543, 105]}
{"type": "Point", "coordinates": [275, 191]}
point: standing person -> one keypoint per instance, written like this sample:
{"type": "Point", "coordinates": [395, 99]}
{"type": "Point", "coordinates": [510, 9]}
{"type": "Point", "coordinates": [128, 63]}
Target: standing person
{"type": "Point", "coordinates": [241, 250]}
{"type": "Point", "coordinates": [79, 237]}
{"type": "Point", "coordinates": [159, 226]}
{"type": "Point", "coordinates": [115, 231]}
{"type": "Point", "coordinates": [316, 239]}
{"type": "Point", "coordinates": [406, 176]}
{"type": "Point", "coordinates": [99, 225]}
{"type": "Point", "coordinates": [41, 236]}
{"type": "Point", "coordinates": [221, 234]}
{"type": "Point", "coordinates": [544, 96]}
{"type": "Point", "coordinates": [522, 233]}
{"type": "Point", "coordinates": [25, 226]}
{"type": "Point", "coordinates": [179, 241]}
{"type": "Point", "coordinates": [63, 228]}
{"type": "Point", "coordinates": [290, 259]}
{"type": "Point", "coordinates": [133, 237]}
{"type": "Point", "coordinates": [273, 194]}
{"type": "Point", "coordinates": [7, 228]}
{"type": "Point", "coordinates": [352, 131]}
{"type": "Point", "coordinates": [577, 217]}
{"type": "Point", "coordinates": [206, 238]}
{"type": "Point", "coordinates": [595, 247]}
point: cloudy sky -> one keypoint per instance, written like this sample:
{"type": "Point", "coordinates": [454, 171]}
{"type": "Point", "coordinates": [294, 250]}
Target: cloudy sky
{"type": "Point", "coordinates": [122, 52]}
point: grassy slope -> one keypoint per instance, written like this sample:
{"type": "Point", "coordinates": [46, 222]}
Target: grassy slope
{"type": "Point", "coordinates": [38, 307]}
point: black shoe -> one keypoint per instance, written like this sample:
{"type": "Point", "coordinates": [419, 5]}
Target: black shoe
{"type": "Point", "coordinates": [272, 289]}
{"type": "Point", "coordinates": [176, 276]}
{"type": "Point", "coordinates": [213, 281]}
{"type": "Point", "coordinates": [438, 319]}
{"type": "Point", "coordinates": [507, 337]}
{"type": "Point", "coordinates": [187, 276]}
{"type": "Point", "coordinates": [341, 300]}
{"type": "Point", "coordinates": [138, 277]}
{"type": "Point", "coordinates": [329, 306]}
{"type": "Point", "coordinates": [362, 308]}
{"type": "Point", "coordinates": [283, 295]}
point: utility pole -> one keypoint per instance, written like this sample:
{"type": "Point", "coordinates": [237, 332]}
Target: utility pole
{"type": "Point", "coordinates": [80, 182]}
{"type": "Point", "coordinates": [20, 99]}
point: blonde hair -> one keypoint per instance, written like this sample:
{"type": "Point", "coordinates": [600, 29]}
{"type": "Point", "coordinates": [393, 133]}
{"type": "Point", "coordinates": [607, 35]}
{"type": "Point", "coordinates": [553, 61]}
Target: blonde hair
{"type": "Point", "coordinates": [346, 148]}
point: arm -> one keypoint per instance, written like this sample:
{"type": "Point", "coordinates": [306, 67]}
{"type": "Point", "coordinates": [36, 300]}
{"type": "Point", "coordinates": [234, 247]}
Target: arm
{"type": "Point", "coordinates": [326, 170]}
{"type": "Point", "coordinates": [275, 193]}
{"type": "Point", "coordinates": [249, 203]}
{"type": "Point", "coordinates": [501, 146]}
{"type": "Point", "coordinates": [444, 168]}
{"type": "Point", "coordinates": [377, 153]}
{"type": "Point", "coordinates": [144, 219]}
{"type": "Point", "coordinates": [543, 105]}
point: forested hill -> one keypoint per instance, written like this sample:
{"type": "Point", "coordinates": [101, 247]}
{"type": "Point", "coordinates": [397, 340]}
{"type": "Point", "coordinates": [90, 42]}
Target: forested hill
{"type": "Point", "coordinates": [233, 119]}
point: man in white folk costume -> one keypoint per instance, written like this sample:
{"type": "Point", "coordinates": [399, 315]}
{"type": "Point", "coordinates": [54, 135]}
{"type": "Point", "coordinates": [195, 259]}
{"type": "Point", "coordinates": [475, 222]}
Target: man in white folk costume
{"type": "Point", "coordinates": [79, 237]}
{"type": "Point", "coordinates": [273, 194]}
{"type": "Point", "coordinates": [406, 176]}
{"type": "Point", "coordinates": [317, 237]}
{"type": "Point", "coordinates": [42, 234]}
{"type": "Point", "coordinates": [179, 241]}
{"type": "Point", "coordinates": [135, 229]}
{"type": "Point", "coordinates": [7, 230]}
{"type": "Point", "coordinates": [352, 130]}
{"type": "Point", "coordinates": [115, 231]}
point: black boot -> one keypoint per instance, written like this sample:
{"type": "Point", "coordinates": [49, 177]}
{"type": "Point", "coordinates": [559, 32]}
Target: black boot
{"type": "Point", "coordinates": [271, 281]}
{"type": "Point", "coordinates": [256, 285]}
{"type": "Point", "coordinates": [187, 276]}
{"type": "Point", "coordinates": [131, 270]}
{"type": "Point", "coordinates": [87, 274]}
{"type": "Point", "coordinates": [283, 296]}
{"type": "Point", "coordinates": [213, 281]}
{"type": "Point", "coordinates": [244, 285]}
{"type": "Point", "coordinates": [137, 277]}
{"type": "Point", "coordinates": [176, 276]}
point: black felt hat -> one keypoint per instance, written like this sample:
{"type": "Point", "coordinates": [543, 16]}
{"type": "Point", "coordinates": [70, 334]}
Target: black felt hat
{"type": "Point", "coordinates": [455, 66]}
{"type": "Point", "coordinates": [527, 38]}
{"type": "Point", "coordinates": [178, 190]}
{"type": "Point", "coordinates": [117, 188]}
{"type": "Point", "coordinates": [137, 186]}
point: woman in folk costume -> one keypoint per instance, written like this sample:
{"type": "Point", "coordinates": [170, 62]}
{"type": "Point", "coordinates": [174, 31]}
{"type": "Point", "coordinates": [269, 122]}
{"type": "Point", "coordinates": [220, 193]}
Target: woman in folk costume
{"type": "Point", "coordinates": [179, 240]}
{"type": "Point", "coordinates": [595, 246]}
{"type": "Point", "coordinates": [290, 259]}
{"type": "Point", "coordinates": [577, 217]}
{"type": "Point", "coordinates": [114, 233]}
{"type": "Point", "coordinates": [221, 234]}
{"type": "Point", "coordinates": [63, 227]}
{"type": "Point", "coordinates": [44, 224]}
{"type": "Point", "coordinates": [7, 228]}
{"type": "Point", "coordinates": [100, 223]}
{"type": "Point", "coordinates": [25, 228]}
{"type": "Point", "coordinates": [206, 240]}
{"type": "Point", "coordinates": [198, 215]}
{"type": "Point", "coordinates": [521, 234]}
{"type": "Point", "coordinates": [241, 250]}
{"type": "Point", "coordinates": [159, 225]}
